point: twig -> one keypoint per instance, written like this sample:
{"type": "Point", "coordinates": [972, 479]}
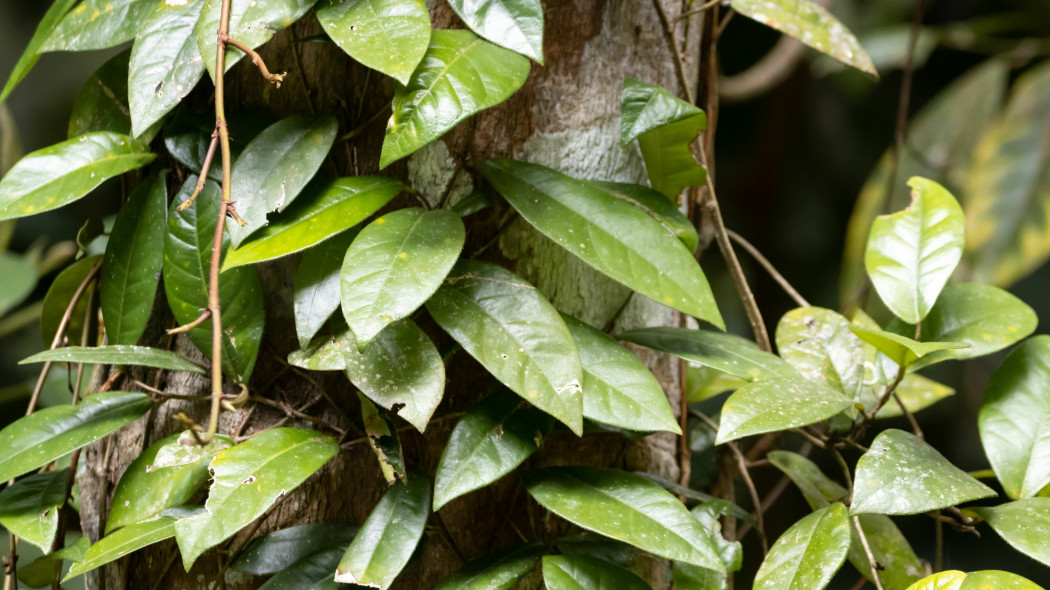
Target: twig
{"type": "Point", "coordinates": [203, 317]}
{"type": "Point", "coordinates": [766, 264]}
{"type": "Point", "coordinates": [205, 168]}
{"type": "Point", "coordinates": [872, 563]}
{"type": "Point", "coordinates": [690, 13]}
{"type": "Point", "coordinates": [679, 61]}
{"type": "Point", "coordinates": [907, 414]}
{"type": "Point", "coordinates": [299, 67]}
{"type": "Point", "coordinates": [293, 413]}
{"type": "Point", "coordinates": [938, 544]}
{"type": "Point", "coordinates": [225, 39]}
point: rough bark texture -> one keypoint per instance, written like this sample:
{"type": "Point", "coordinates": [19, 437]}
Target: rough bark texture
{"type": "Point", "coordinates": [566, 117]}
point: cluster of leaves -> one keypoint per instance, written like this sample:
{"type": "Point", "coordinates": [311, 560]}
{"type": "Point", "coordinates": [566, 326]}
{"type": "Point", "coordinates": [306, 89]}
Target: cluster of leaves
{"type": "Point", "coordinates": [366, 270]}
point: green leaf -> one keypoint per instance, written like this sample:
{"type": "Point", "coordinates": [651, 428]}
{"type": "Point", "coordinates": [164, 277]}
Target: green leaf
{"type": "Point", "coordinates": [41, 571]}
{"type": "Point", "coordinates": [134, 257]}
{"type": "Point", "coordinates": [389, 536]}
{"type": "Point", "coordinates": [275, 167]}
{"type": "Point", "coordinates": [313, 572]}
{"type": "Point", "coordinates": [102, 104]}
{"type": "Point", "coordinates": [1024, 524]}
{"type": "Point", "coordinates": [514, 24]}
{"type": "Point", "coordinates": [1014, 420]}
{"type": "Point", "coordinates": [582, 572]}
{"type": "Point", "coordinates": [325, 353]}
{"type": "Point", "coordinates": [901, 474]}
{"type": "Point", "coordinates": [1006, 206]}
{"type": "Point", "coordinates": [120, 543]}
{"type": "Point", "coordinates": [46, 435]}
{"type": "Point", "coordinates": [166, 475]}
{"type": "Point", "coordinates": [777, 404]}
{"type": "Point", "coordinates": [60, 174]}
{"type": "Point", "coordinates": [29, 507]}
{"type": "Point", "coordinates": [612, 236]}
{"type": "Point", "coordinates": [489, 441]}
{"type": "Point", "coordinates": [251, 23]}
{"type": "Point", "coordinates": [730, 354]}
{"type": "Point", "coordinates": [811, 24]}
{"type": "Point", "coordinates": [384, 441]}
{"type": "Point", "coordinates": [246, 480]}
{"type": "Point", "coordinates": [998, 580]}
{"type": "Point", "coordinates": [28, 59]}
{"type": "Point", "coordinates": [316, 216]}
{"type": "Point", "coordinates": [165, 63]}
{"type": "Point", "coordinates": [187, 136]}
{"type": "Point", "coordinates": [917, 393]}
{"type": "Point", "coordinates": [656, 206]}
{"type": "Point", "coordinates": [516, 334]}
{"type": "Point", "coordinates": [618, 389]}
{"type": "Point", "coordinates": [459, 76]}
{"type": "Point", "coordinates": [912, 253]}
{"type": "Point", "coordinates": [818, 342]}
{"type": "Point", "coordinates": [140, 356]}
{"type": "Point", "coordinates": [818, 490]}
{"type": "Point", "coordinates": [644, 107]}
{"type": "Point", "coordinates": [809, 553]}
{"type": "Point", "coordinates": [99, 24]}
{"type": "Point", "coordinates": [947, 580]}
{"type": "Point", "coordinates": [390, 36]}
{"type": "Point", "coordinates": [187, 258]}
{"type": "Point", "coordinates": [20, 277]}
{"type": "Point", "coordinates": [668, 156]}
{"type": "Point", "coordinates": [394, 265]}
{"type": "Point", "coordinates": [317, 286]}
{"type": "Point", "coordinates": [59, 296]}
{"type": "Point", "coordinates": [901, 349]}
{"type": "Point", "coordinates": [704, 382]}
{"type": "Point", "coordinates": [626, 507]}
{"type": "Point", "coordinates": [399, 370]}
{"type": "Point", "coordinates": [280, 549]}
{"type": "Point", "coordinates": [499, 570]}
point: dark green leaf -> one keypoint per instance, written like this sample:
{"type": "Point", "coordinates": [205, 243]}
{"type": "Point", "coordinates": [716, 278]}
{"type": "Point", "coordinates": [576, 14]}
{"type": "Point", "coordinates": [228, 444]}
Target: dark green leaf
{"type": "Point", "coordinates": [901, 349]}
{"type": "Point", "coordinates": [313, 572]}
{"type": "Point", "coordinates": [29, 507]}
{"type": "Point", "coordinates": [613, 236]}
{"type": "Point", "coordinates": [901, 474]}
{"type": "Point", "coordinates": [777, 404]}
{"type": "Point", "coordinates": [315, 216]}
{"type": "Point", "coordinates": [386, 35]}
{"type": "Point", "coordinates": [394, 265]}
{"type": "Point", "coordinates": [59, 296]}
{"type": "Point", "coordinates": [384, 441]}
{"type": "Point", "coordinates": [41, 571]}
{"type": "Point", "coordinates": [625, 507]}
{"type": "Point", "coordinates": [730, 354]}
{"type": "Point", "coordinates": [644, 107]}
{"type": "Point", "coordinates": [120, 543]}
{"type": "Point", "coordinates": [496, 571]}
{"type": "Point", "coordinates": [252, 23]}
{"type": "Point", "coordinates": [246, 480]}
{"type": "Point", "coordinates": [98, 24]}
{"type": "Point", "coordinates": [818, 342]}
{"type": "Point", "coordinates": [141, 356]}
{"type": "Point", "coordinates": [102, 104]}
{"type": "Point", "coordinates": [275, 167]}
{"type": "Point", "coordinates": [19, 279]}
{"type": "Point", "coordinates": [474, 202]}
{"type": "Point", "coordinates": [460, 75]}
{"type": "Point", "coordinates": [187, 136]}
{"type": "Point", "coordinates": [389, 535]}
{"type": "Point", "coordinates": [668, 155]}
{"type": "Point", "coordinates": [809, 553]}
{"type": "Point", "coordinates": [317, 285]}
{"type": "Point", "coordinates": [489, 442]}
{"type": "Point", "coordinates": [278, 550]}
{"type": "Point", "coordinates": [46, 435]}
{"type": "Point", "coordinates": [187, 257]}
{"type": "Point", "coordinates": [516, 334]}
{"type": "Point", "coordinates": [656, 206]}
{"type": "Point", "coordinates": [60, 174]}
{"type": "Point", "coordinates": [514, 24]}
{"type": "Point", "coordinates": [48, 23]}
{"type": "Point", "coordinates": [581, 572]}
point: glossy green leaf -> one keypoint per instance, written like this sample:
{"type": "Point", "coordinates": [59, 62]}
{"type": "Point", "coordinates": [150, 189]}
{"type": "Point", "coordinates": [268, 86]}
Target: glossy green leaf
{"type": "Point", "coordinates": [626, 507]}
{"type": "Point", "coordinates": [166, 475]}
{"type": "Point", "coordinates": [644, 107]}
{"type": "Point", "coordinates": [818, 489]}
{"type": "Point", "coordinates": [901, 349]}
{"type": "Point", "coordinates": [514, 24]}
{"type": "Point", "coordinates": [315, 216]}
{"type": "Point", "coordinates": [41, 571]}
{"type": "Point", "coordinates": [777, 404]}
{"type": "Point", "coordinates": [809, 553]}
{"type": "Point", "coordinates": [656, 206]}
{"type": "Point", "coordinates": [275, 167]}
{"type": "Point", "coordinates": [313, 572]}
{"type": "Point", "coordinates": [324, 353]}
{"type": "Point", "coordinates": [187, 258]}
{"type": "Point", "coordinates": [1024, 524]}
{"type": "Point", "coordinates": [44, 29]}
{"type": "Point", "coordinates": [459, 76]}
{"type": "Point", "coordinates": [60, 174]}
{"type": "Point", "coordinates": [384, 441]}
{"type": "Point", "coordinates": [317, 286]}
{"type": "Point", "coordinates": [120, 543]}
{"type": "Point", "coordinates": [29, 507]}
{"type": "Point", "coordinates": [690, 577]}
{"type": "Point", "coordinates": [1014, 421]}
{"type": "Point", "coordinates": [811, 24]}
{"type": "Point", "coordinates": [141, 356]}
{"type": "Point", "coordinates": [251, 23]}
{"type": "Point", "coordinates": [947, 580]}
{"type": "Point", "coordinates": [46, 435]}
{"type": "Point", "coordinates": [399, 370]}
{"type": "Point", "coordinates": [499, 570]}
{"type": "Point", "coordinates": [818, 342]}
{"type": "Point", "coordinates": [102, 104]}
{"type": "Point", "coordinates": [279, 549]}
{"type": "Point", "coordinates": [165, 63]}
{"type": "Point", "coordinates": [668, 156]}
{"type": "Point", "coordinates": [246, 480]}
{"type": "Point", "coordinates": [59, 296]}
{"type": "Point", "coordinates": [912, 253]}
{"type": "Point", "coordinates": [998, 580]}
{"type": "Point", "coordinates": [1006, 207]}
{"type": "Point", "coordinates": [607, 233]}
{"type": "Point", "coordinates": [134, 257]}
{"type": "Point", "coordinates": [489, 441]}
{"type": "Point", "coordinates": [516, 334]}
{"type": "Point", "coordinates": [477, 200]}
{"type": "Point", "coordinates": [730, 354]}
{"type": "Point", "coordinates": [704, 382]}
{"type": "Point", "coordinates": [901, 474]}
{"type": "Point", "coordinates": [98, 24]}
{"type": "Point", "coordinates": [582, 572]}
{"type": "Point", "coordinates": [20, 277]}
{"type": "Point", "coordinates": [386, 35]}
{"type": "Point", "coordinates": [618, 389]}
{"type": "Point", "coordinates": [389, 536]}
{"type": "Point", "coordinates": [394, 265]}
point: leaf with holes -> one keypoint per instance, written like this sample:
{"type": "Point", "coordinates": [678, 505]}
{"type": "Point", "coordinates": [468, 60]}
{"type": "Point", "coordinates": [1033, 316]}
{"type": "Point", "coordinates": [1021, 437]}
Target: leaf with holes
{"type": "Point", "coordinates": [809, 553]}
{"type": "Point", "coordinates": [383, 439]}
{"type": "Point", "coordinates": [777, 404]}
{"type": "Point", "coordinates": [668, 156]}
{"type": "Point", "coordinates": [727, 353]}
{"type": "Point", "coordinates": [29, 507]}
{"type": "Point", "coordinates": [514, 24]}
{"type": "Point", "coordinates": [390, 36]}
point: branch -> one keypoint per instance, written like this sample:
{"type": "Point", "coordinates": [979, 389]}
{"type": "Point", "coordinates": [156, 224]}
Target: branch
{"type": "Point", "coordinates": [224, 38]}
{"type": "Point", "coordinates": [872, 563]}
{"type": "Point", "coordinates": [766, 264]}
{"type": "Point", "coordinates": [204, 173]}
{"type": "Point", "coordinates": [679, 61]}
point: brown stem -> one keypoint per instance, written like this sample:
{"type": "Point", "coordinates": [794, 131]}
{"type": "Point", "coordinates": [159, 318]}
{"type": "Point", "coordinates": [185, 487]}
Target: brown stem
{"type": "Point", "coordinates": [676, 52]}
{"type": "Point", "coordinates": [872, 562]}
{"type": "Point", "coordinates": [203, 317]}
{"type": "Point", "coordinates": [766, 264]}
{"type": "Point", "coordinates": [690, 13]}
{"type": "Point", "coordinates": [224, 38]}
{"type": "Point", "coordinates": [205, 168]}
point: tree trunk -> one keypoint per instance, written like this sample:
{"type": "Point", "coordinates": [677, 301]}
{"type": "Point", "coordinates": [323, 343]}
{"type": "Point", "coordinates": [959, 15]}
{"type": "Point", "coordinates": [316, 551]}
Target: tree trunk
{"type": "Point", "coordinates": [565, 117]}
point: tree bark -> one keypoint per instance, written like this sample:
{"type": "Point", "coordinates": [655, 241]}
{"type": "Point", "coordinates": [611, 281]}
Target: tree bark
{"type": "Point", "coordinates": [566, 117]}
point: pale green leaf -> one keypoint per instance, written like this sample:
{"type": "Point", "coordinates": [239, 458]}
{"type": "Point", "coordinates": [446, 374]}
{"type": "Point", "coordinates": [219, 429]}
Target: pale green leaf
{"type": "Point", "coordinates": [390, 36]}
{"type": "Point", "coordinates": [514, 24]}
{"type": "Point", "coordinates": [668, 154]}
{"type": "Point", "coordinates": [656, 206]}
{"type": "Point", "coordinates": [324, 353]}
{"type": "Point", "coordinates": [901, 349]}
{"type": "Point", "coordinates": [777, 404]}
{"type": "Point", "coordinates": [809, 553]}
{"type": "Point", "coordinates": [947, 580]}
{"type": "Point", "coordinates": [1024, 524]}
{"type": "Point", "coordinates": [98, 24]}
{"type": "Point", "coordinates": [818, 342]}
{"type": "Point", "coordinates": [29, 507]}
{"type": "Point", "coordinates": [120, 543]}
{"type": "Point", "coordinates": [997, 580]}
{"type": "Point", "coordinates": [252, 23]}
